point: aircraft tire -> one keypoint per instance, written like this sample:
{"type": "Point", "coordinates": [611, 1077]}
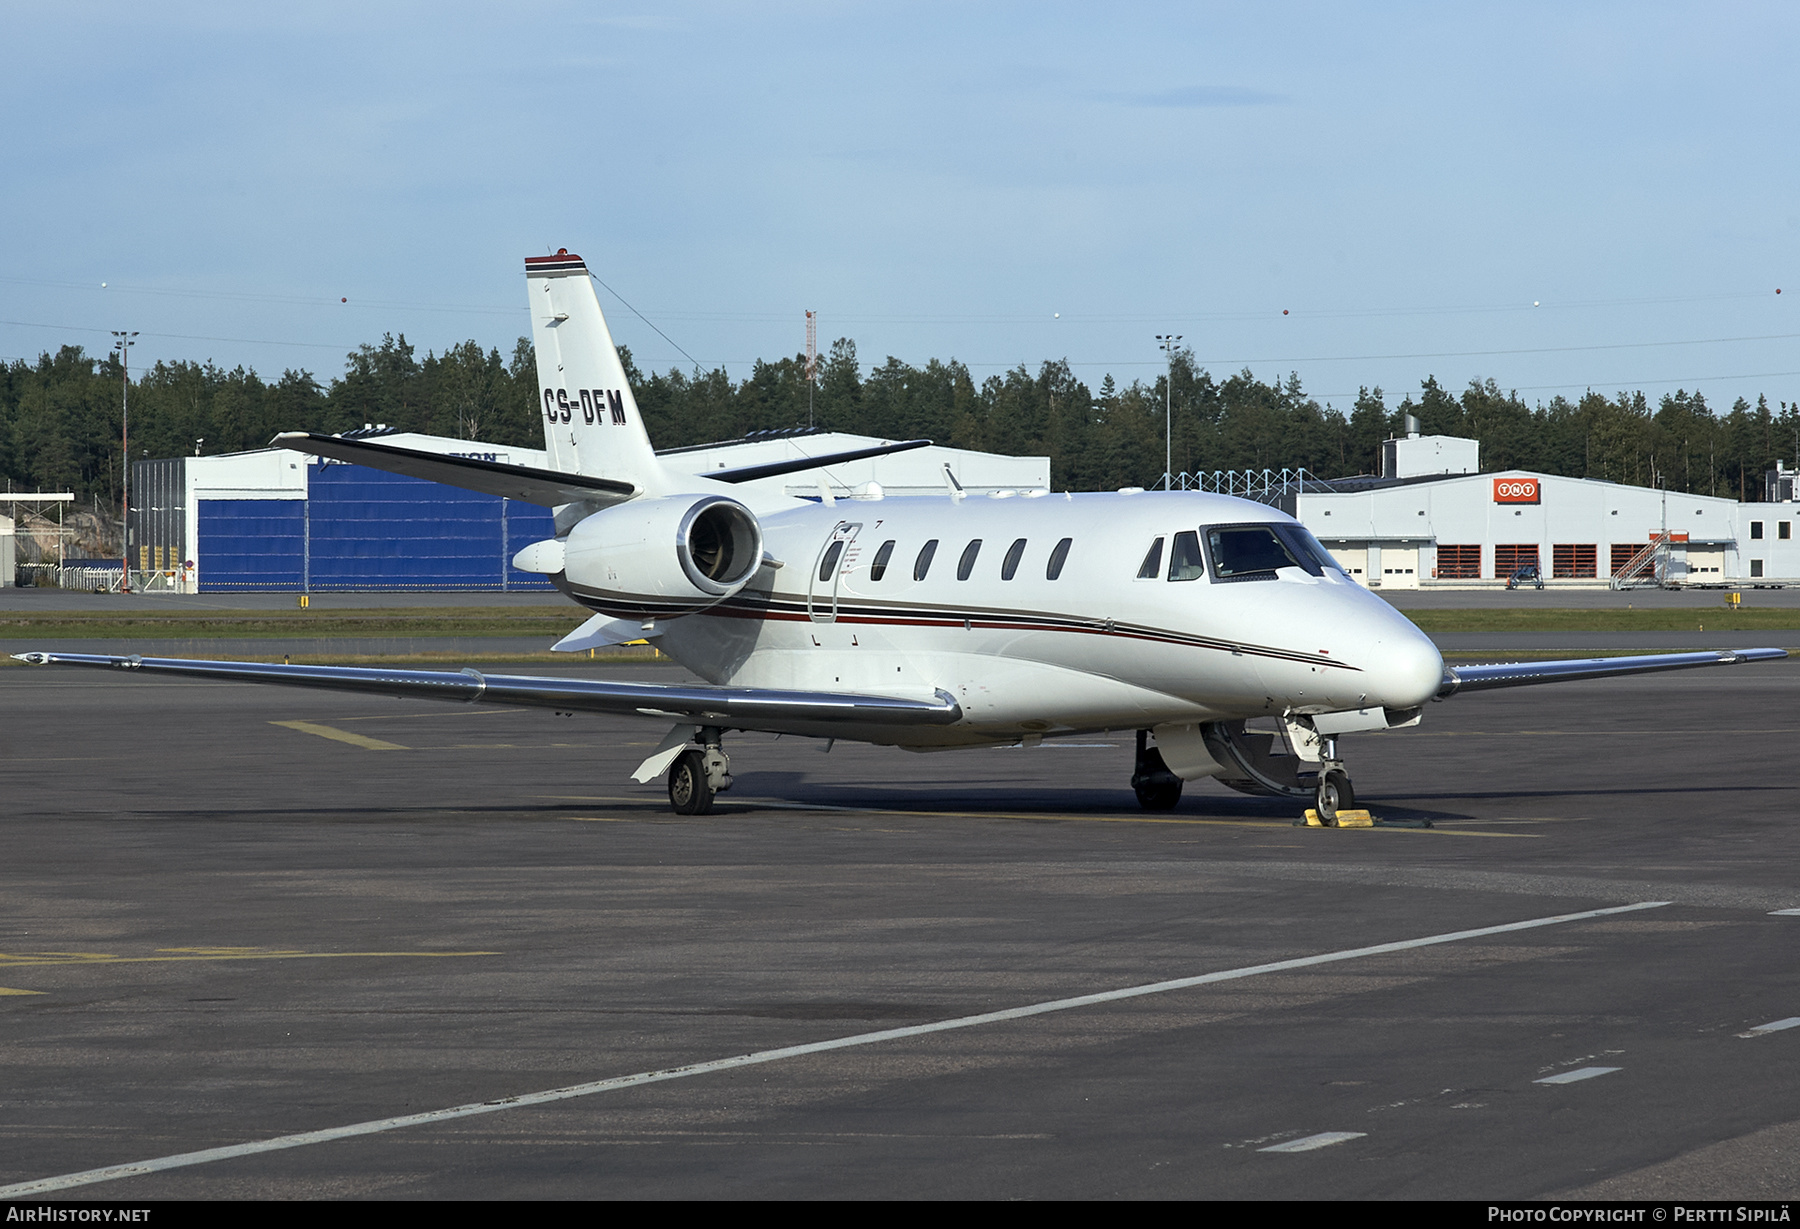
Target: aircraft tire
{"type": "Point", "coordinates": [1334, 795]}
{"type": "Point", "coordinates": [1158, 792]}
{"type": "Point", "coordinates": [689, 794]}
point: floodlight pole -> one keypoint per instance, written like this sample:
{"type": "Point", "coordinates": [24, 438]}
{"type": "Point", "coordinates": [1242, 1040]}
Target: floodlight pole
{"type": "Point", "coordinates": [1168, 341]}
{"type": "Point", "coordinates": [124, 343]}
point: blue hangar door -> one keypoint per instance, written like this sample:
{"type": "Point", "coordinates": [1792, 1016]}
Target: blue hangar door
{"type": "Point", "coordinates": [362, 528]}
{"type": "Point", "coordinates": [252, 543]}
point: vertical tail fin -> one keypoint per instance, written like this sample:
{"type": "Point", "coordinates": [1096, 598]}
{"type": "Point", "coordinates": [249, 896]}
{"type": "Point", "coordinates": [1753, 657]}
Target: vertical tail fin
{"type": "Point", "coordinates": [591, 422]}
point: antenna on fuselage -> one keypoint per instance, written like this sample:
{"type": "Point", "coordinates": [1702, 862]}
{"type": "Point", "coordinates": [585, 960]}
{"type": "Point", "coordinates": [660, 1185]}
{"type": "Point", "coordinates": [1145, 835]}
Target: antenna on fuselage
{"type": "Point", "coordinates": [956, 488]}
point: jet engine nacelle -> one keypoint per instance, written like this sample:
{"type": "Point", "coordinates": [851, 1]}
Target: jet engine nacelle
{"type": "Point", "coordinates": [666, 556]}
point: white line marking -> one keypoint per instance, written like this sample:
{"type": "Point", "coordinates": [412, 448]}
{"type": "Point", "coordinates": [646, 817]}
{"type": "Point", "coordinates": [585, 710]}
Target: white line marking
{"type": "Point", "coordinates": [180, 1160]}
{"type": "Point", "coordinates": [1784, 913]}
{"type": "Point", "coordinates": [1323, 1139]}
{"type": "Point", "coordinates": [1773, 1026]}
{"type": "Point", "coordinates": [1580, 1073]}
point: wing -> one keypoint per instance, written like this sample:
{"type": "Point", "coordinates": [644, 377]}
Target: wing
{"type": "Point", "coordinates": [830, 714]}
{"type": "Point", "coordinates": [526, 483]}
{"type": "Point", "coordinates": [1528, 673]}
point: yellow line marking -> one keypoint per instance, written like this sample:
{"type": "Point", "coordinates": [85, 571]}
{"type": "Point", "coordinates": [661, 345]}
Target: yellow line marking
{"type": "Point", "coordinates": [233, 951]}
{"type": "Point", "coordinates": [181, 955]}
{"type": "Point", "coordinates": [4, 990]}
{"type": "Point", "coordinates": [343, 736]}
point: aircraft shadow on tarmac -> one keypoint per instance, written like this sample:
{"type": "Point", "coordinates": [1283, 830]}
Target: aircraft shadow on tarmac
{"type": "Point", "coordinates": [774, 792]}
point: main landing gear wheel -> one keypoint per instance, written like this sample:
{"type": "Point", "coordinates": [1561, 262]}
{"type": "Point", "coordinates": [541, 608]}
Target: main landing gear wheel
{"type": "Point", "coordinates": [1334, 795]}
{"type": "Point", "coordinates": [689, 791]}
{"type": "Point", "coordinates": [1156, 787]}
{"type": "Point", "coordinates": [1158, 795]}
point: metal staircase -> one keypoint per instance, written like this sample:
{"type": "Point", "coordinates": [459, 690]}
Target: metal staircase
{"type": "Point", "coordinates": [1649, 568]}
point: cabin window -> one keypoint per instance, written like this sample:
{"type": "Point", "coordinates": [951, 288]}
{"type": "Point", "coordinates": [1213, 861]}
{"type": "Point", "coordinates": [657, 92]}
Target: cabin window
{"type": "Point", "coordinates": [829, 563]}
{"type": "Point", "coordinates": [966, 564]}
{"type": "Point", "coordinates": [878, 569]}
{"type": "Point", "coordinates": [1010, 564]}
{"type": "Point", "coordinates": [1184, 557]}
{"type": "Point", "coordinates": [1058, 557]}
{"type": "Point", "coordinates": [922, 564]}
{"type": "Point", "coordinates": [1152, 564]}
{"type": "Point", "coordinates": [1755, 529]}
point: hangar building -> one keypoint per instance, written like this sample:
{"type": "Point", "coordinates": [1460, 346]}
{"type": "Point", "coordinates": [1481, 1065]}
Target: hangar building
{"type": "Point", "coordinates": [272, 519]}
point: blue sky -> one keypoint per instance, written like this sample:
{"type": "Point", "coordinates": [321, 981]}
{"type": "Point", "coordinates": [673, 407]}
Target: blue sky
{"type": "Point", "coordinates": [1405, 181]}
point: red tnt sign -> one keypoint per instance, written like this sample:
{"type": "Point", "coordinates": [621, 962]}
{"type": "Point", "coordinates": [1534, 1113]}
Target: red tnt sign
{"type": "Point", "coordinates": [1515, 490]}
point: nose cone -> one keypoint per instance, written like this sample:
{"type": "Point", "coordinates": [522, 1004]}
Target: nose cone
{"type": "Point", "coordinates": [1400, 666]}
{"type": "Point", "coordinates": [1405, 668]}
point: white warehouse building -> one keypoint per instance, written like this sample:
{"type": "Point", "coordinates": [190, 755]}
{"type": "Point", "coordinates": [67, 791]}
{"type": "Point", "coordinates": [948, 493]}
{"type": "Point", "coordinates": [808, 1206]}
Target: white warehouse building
{"type": "Point", "coordinates": [1464, 529]}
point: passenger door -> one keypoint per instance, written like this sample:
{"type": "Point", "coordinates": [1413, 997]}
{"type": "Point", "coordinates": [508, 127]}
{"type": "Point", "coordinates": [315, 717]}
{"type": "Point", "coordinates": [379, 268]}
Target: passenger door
{"type": "Point", "coordinates": [822, 581]}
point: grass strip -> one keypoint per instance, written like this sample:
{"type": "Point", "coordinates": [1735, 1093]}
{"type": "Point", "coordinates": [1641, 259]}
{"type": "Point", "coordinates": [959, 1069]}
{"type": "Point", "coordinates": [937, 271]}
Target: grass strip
{"type": "Point", "coordinates": [553, 621]}
{"type": "Point", "coordinates": [1554, 619]}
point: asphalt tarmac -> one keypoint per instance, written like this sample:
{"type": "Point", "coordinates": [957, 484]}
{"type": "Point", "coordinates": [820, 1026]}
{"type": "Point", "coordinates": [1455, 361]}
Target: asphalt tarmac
{"type": "Point", "coordinates": [221, 929]}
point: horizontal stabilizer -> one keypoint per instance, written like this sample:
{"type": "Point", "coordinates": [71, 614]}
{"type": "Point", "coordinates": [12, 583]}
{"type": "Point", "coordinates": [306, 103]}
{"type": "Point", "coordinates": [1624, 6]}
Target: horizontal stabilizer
{"type": "Point", "coordinates": [1527, 673]}
{"type": "Point", "coordinates": [774, 469]}
{"type": "Point", "coordinates": [525, 483]}
{"type": "Point", "coordinates": [741, 708]}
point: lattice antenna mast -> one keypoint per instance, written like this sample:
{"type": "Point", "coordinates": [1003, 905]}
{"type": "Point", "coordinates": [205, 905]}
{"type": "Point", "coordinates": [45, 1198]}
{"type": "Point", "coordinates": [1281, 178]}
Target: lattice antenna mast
{"type": "Point", "coordinates": [812, 363]}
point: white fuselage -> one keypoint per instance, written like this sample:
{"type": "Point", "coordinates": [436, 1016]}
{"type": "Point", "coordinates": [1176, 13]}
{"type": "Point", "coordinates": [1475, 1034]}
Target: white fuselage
{"type": "Point", "coordinates": [1096, 648]}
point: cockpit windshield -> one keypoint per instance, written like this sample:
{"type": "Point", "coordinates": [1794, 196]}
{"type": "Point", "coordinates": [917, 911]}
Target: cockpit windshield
{"type": "Point", "coordinates": [1258, 552]}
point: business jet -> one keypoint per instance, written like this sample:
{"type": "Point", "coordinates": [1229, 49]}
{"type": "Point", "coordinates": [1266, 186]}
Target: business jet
{"type": "Point", "coordinates": [1218, 629]}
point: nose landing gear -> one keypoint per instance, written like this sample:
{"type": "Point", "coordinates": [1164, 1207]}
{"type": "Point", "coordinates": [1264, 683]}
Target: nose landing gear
{"type": "Point", "coordinates": [1255, 762]}
{"type": "Point", "coordinates": [1334, 793]}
